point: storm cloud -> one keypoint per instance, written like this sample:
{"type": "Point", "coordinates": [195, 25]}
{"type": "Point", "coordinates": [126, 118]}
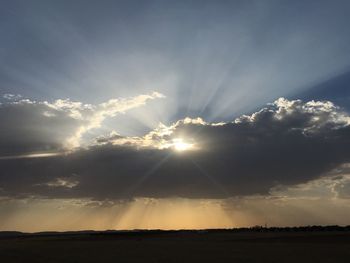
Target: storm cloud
{"type": "Point", "coordinates": [284, 144]}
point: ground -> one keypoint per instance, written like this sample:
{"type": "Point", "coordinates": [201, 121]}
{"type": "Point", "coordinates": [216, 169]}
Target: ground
{"type": "Point", "coordinates": [179, 246]}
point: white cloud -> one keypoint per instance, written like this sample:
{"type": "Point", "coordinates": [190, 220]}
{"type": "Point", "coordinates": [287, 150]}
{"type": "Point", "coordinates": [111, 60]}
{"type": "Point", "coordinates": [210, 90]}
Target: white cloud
{"type": "Point", "coordinates": [33, 127]}
{"type": "Point", "coordinates": [12, 97]}
{"type": "Point", "coordinates": [63, 182]}
{"type": "Point", "coordinates": [97, 114]}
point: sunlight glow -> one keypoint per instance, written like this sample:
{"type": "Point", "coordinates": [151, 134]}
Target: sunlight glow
{"type": "Point", "coordinates": [32, 155]}
{"type": "Point", "coordinates": [180, 145]}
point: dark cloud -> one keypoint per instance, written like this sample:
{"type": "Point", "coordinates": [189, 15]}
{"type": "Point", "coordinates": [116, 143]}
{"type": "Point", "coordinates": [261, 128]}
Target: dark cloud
{"type": "Point", "coordinates": [286, 143]}
{"type": "Point", "coordinates": [28, 126]}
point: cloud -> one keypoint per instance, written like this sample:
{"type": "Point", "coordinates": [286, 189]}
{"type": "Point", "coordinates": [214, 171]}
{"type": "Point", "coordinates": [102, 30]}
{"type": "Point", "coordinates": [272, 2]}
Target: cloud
{"type": "Point", "coordinates": [334, 185]}
{"type": "Point", "coordinates": [9, 96]}
{"type": "Point", "coordinates": [28, 127]}
{"type": "Point", "coordinates": [96, 115]}
{"type": "Point", "coordinates": [287, 143]}
{"type": "Point", "coordinates": [68, 182]}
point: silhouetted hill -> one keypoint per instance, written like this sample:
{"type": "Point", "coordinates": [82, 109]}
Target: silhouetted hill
{"type": "Point", "coordinates": [140, 232]}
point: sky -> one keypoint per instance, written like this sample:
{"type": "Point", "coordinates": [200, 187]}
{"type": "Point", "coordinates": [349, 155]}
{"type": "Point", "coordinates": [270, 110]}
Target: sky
{"type": "Point", "coordinates": [174, 114]}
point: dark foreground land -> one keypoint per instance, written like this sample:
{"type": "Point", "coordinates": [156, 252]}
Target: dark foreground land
{"type": "Point", "coordinates": [262, 245]}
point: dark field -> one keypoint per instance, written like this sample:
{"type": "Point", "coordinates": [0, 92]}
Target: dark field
{"type": "Point", "coordinates": [178, 246]}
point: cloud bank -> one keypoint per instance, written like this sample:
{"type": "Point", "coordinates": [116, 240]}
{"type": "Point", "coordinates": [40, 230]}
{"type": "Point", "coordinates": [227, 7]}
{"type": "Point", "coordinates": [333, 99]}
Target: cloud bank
{"type": "Point", "coordinates": [287, 143]}
{"type": "Point", "coordinates": [29, 126]}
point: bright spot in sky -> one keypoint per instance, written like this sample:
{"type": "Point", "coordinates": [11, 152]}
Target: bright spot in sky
{"type": "Point", "coordinates": [180, 145]}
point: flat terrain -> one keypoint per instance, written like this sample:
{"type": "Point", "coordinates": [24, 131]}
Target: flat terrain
{"type": "Point", "coordinates": [178, 246]}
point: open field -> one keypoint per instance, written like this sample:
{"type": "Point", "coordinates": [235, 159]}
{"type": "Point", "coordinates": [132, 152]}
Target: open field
{"type": "Point", "coordinates": [178, 246]}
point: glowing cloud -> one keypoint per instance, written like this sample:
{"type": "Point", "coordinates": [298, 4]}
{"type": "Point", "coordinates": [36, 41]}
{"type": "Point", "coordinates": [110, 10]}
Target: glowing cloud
{"type": "Point", "coordinates": [32, 129]}
{"type": "Point", "coordinates": [105, 110]}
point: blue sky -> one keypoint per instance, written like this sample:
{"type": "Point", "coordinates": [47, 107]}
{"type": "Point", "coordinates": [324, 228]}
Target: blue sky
{"type": "Point", "coordinates": [212, 59]}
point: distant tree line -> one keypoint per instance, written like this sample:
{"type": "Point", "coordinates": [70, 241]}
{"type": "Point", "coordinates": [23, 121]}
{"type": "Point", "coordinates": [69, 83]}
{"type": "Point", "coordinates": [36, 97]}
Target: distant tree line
{"type": "Point", "coordinates": [313, 228]}
{"type": "Point", "coordinates": [138, 232]}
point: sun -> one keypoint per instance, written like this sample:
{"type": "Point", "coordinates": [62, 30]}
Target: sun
{"type": "Point", "coordinates": [180, 145]}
